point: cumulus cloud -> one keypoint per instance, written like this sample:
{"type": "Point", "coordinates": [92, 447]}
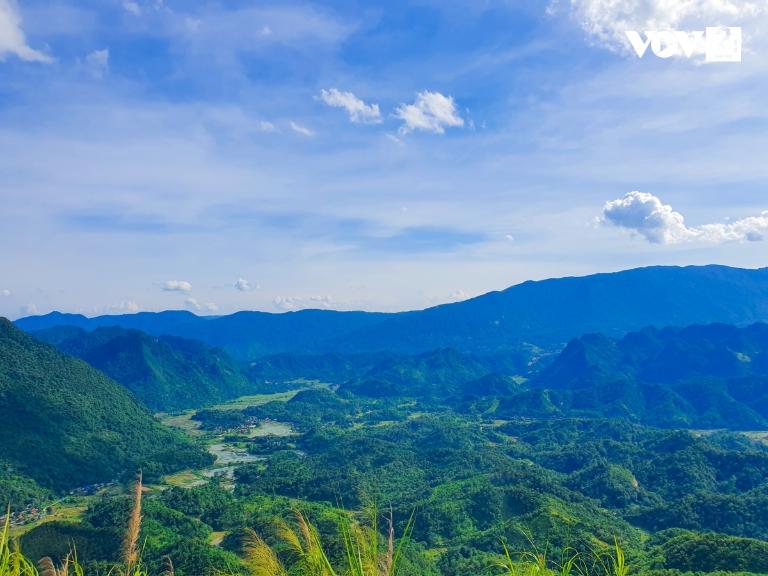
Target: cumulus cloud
{"type": "Point", "coordinates": [5, 292]}
{"type": "Point", "coordinates": [646, 215]}
{"type": "Point", "coordinates": [176, 286]}
{"type": "Point", "coordinates": [194, 304]}
{"type": "Point", "coordinates": [431, 112]}
{"type": "Point", "coordinates": [359, 112]}
{"type": "Point", "coordinates": [606, 21]}
{"type": "Point", "coordinates": [97, 62]}
{"type": "Point", "coordinates": [302, 302]}
{"type": "Point", "coordinates": [244, 285]}
{"type": "Point", "coordinates": [303, 130]}
{"type": "Point", "coordinates": [12, 38]}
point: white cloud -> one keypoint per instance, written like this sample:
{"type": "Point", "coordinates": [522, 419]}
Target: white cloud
{"type": "Point", "coordinates": [30, 310]}
{"type": "Point", "coordinates": [432, 112]}
{"type": "Point", "coordinates": [606, 21]}
{"type": "Point", "coordinates": [302, 302]}
{"type": "Point", "coordinates": [359, 112]}
{"type": "Point", "coordinates": [659, 223]}
{"type": "Point", "coordinates": [12, 39]}
{"type": "Point", "coordinates": [128, 306]}
{"type": "Point", "coordinates": [303, 130]}
{"type": "Point", "coordinates": [193, 304]}
{"type": "Point", "coordinates": [5, 292]}
{"type": "Point", "coordinates": [458, 295]}
{"type": "Point", "coordinates": [176, 286]}
{"type": "Point", "coordinates": [98, 62]}
{"type": "Point", "coordinates": [132, 7]}
{"type": "Point", "coordinates": [265, 126]}
{"type": "Point", "coordinates": [244, 285]}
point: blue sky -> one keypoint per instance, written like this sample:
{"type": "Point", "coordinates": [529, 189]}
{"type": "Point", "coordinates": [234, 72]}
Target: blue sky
{"type": "Point", "coordinates": [219, 156]}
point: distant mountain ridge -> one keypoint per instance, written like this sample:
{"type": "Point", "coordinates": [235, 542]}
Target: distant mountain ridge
{"type": "Point", "coordinates": [165, 373]}
{"type": "Point", "coordinates": [545, 313]}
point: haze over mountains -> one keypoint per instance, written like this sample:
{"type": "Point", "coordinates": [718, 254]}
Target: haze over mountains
{"type": "Point", "coordinates": [542, 313]}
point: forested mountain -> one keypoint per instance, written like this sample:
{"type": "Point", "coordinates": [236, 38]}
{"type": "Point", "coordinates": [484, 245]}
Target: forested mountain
{"type": "Point", "coordinates": [165, 373]}
{"type": "Point", "coordinates": [286, 367]}
{"type": "Point", "coordinates": [544, 313]}
{"type": "Point", "coordinates": [666, 355]}
{"type": "Point", "coordinates": [703, 376]}
{"type": "Point", "coordinates": [65, 424]}
{"type": "Point", "coordinates": [438, 374]}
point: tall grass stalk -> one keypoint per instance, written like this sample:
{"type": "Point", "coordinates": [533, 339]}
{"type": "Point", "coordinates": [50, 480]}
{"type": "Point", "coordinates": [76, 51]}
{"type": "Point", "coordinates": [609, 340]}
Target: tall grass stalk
{"type": "Point", "coordinates": [131, 538]}
{"type": "Point", "coordinates": [362, 549]}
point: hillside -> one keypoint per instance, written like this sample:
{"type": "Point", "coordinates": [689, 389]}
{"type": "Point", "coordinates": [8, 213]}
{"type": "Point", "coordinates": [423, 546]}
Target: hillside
{"type": "Point", "coordinates": [165, 373]}
{"type": "Point", "coordinates": [704, 376]}
{"type": "Point", "coordinates": [65, 424]}
{"type": "Point", "coordinates": [434, 374]}
{"type": "Point", "coordinates": [544, 313]}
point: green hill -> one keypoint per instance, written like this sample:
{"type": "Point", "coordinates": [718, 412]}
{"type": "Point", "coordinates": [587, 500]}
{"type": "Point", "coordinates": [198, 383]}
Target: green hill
{"type": "Point", "coordinates": [65, 424]}
{"type": "Point", "coordinates": [165, 373]}
{"type": "Point", "coordinates": [434, 374]}
{"type": "Point", "coordinates": [713, 376]}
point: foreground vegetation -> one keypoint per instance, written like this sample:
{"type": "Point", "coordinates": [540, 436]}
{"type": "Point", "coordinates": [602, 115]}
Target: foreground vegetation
{"type": "Point", "coordinates": [363, 552]}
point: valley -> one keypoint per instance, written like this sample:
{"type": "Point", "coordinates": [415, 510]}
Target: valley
{"type": "Point", "coordinates": [656, 439]}
{"type": "Point", "coordinates": [228, 446]}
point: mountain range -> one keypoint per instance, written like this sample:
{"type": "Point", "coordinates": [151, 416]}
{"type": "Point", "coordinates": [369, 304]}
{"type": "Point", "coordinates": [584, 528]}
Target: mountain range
{"type": "Point", "coordinates": [525, 317]}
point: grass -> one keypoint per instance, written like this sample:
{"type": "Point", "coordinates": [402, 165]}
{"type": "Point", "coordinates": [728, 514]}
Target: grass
{"type": "Point", "coordinates": [183, 422]}
{"type": "Point", "coordinates": [185, 479]}
{"type": "Point", "coordinates": [255, 400]}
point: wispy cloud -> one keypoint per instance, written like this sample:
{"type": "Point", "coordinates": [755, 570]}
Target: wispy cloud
{"type": "Point", "coordinates": [646, 215]}
{"type": "Point", "coordinates": [359, 112]}
{"type": "Point", "coordinates": [288, 303]}
{"type": "Point", "coordinates": [431, 112]}
{"type": "Point", "coordinates": [12, 38]}
{"type": "Point", "coordinates": [303, 130]}
{"type": "Point", "coordinates": [194, 304]}
{"type": "Point", "coordinates": [132, 7]}
{"type": "Point", "coordinates": [97, 62]}
{"type": "Point", "coordinates": [126, 307]}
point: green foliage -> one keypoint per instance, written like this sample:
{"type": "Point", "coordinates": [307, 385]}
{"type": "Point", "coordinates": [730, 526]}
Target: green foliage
{"type": "Point", "coordinates": [65, 424]}
{"type": "Point", "coordinates": [688, 551]}
{"type": "Point", "coordinates": [434, 374]}
{"type": "Point", "coordinates": [165, 373]}
{"type": "Point", "coordinates": [710, 376]}
{"type": "Point", "coordinates": [18, 491]}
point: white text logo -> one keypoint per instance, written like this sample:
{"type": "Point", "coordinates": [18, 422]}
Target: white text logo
{"type": "Point", "coordinates": [716, 43]}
